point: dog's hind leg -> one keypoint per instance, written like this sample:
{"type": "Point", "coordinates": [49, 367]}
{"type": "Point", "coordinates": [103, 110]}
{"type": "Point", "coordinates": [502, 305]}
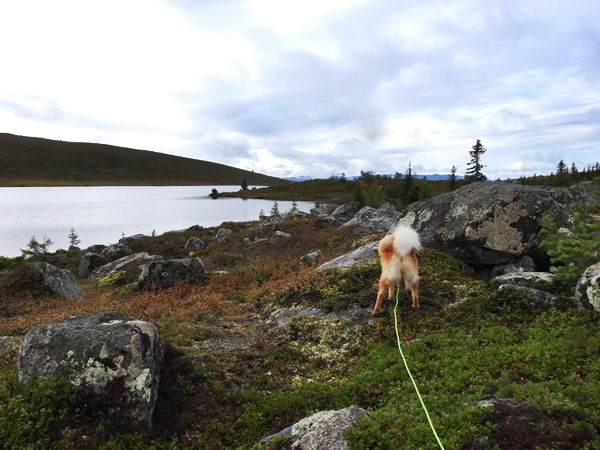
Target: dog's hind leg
{"type": "Point", "coordinates": [414, 289]}
{"type": "Point", "coordinates": [382, 285]}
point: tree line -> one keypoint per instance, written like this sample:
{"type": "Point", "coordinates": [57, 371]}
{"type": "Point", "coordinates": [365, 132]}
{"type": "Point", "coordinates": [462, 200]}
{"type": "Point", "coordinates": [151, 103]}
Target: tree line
{"type": "Point", "coordinates": [403, 189]}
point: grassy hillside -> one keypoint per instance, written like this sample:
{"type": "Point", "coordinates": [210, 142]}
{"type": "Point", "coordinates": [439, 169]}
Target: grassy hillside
{"type": "Point", "coordinates": [32, 161]}
{"type": "Point", "coordinates": [231, 375]}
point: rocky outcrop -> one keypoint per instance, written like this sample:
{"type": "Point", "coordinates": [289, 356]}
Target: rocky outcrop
{"type": "Point", "coordinates": [60, 282]}
{"type": "Point", "coordinates": [370, 220]}
{"type": "Point", "coordinates": [587, 291]}
{"type": "Point", "coordinates": [98, 353]}
{"type": "Point", "coordinates": [491, 223]}
{"type": "Point", "coordinates": [321, 431]}
{"type": "Point", "coordinates": [165, 274]}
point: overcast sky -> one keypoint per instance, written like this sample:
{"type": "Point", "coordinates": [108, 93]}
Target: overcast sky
{"type": "Point", "coordinates": [311, 87]}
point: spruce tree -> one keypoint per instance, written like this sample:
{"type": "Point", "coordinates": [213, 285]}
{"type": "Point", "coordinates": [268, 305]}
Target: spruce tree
{"type": "Point", "coordinates": [474, 172]}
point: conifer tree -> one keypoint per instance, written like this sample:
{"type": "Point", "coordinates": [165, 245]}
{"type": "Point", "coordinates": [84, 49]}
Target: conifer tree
{"type": "Point", "coordinates": [452, 179]}
{"type": "Point", "coordinates": [474, 172]}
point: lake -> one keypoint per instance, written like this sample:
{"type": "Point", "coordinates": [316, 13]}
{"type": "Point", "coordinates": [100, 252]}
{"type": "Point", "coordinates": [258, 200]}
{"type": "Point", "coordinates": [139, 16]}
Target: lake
{"type": "Point", "coordinates": [103, 214]}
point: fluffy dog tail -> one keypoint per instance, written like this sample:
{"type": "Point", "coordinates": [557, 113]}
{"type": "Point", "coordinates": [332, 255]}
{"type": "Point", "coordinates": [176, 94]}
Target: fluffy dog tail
{"type": "Point", "coordinates": [405, 240]}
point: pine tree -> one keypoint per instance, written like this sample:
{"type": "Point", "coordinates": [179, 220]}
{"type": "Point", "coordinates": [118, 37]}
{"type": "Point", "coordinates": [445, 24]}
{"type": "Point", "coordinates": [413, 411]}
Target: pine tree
{"type": "Point", "coordinates": [452, 179]}
{"type": "Point", "coordinates": [474, 172]}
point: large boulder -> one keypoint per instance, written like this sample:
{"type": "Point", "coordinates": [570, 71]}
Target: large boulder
{"type": "Point", "coordinates": [370, 220]}
{"type": "Point", "coordinates": [165, 274]}
{"type": "Point", "coordinates": [321, 431]}
{"type": "Point", "coordinates": [60, 282]}
{"type": "Point", "coordinates": [491, 223]}
{"type": "Point", "coordinates": [587, 291]}
{"type": "Point", "coordinates": [99, 353]}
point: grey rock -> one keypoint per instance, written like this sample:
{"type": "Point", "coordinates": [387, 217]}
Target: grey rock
{"type": "Point", "coordinates": [311, 258]}
{"type": "Point", "coordinates": [279, 235]}
{"type": "Point", "coordinates": [271, 222]}
{"type": "Point", "coordinates": [112, 267]}
{"type": "Point", "coordinates": [89, 262]}
{"type": "Point", "coordinates": [60, 282]}
{"type": "Point", "coordinates": [115, 251]}
{"type": "Point", "coordinates": [165, 274]}
{"type": "Point", "coordinates": [535, 280]}
{"type": "Point", "coordinates": [194, 243]}
{"type": "Point", "coordinates": [541, 299]}
{"type": "Point", "coordinates": [323, 210]}
{"type": "Point", "coordinates": [96, 352]}
{"type": "Point", "coordinates": [322, 431]}
{"type": "Point", "coordinates": [223, 234]}
{"type": "Point", "coordinates": [523, 264]}
{"type": "Point", "coordinates": [352, 258]}
{"type": "Point", "coordinates": [370, 220]}
{"type": "Point", "coordinates": [587, 291]}
{"type": "Point", "coordinates": [491, 223]}
{"type": "Point", "coordinates": [96, 248]}
{"type": "Point", "coordinates": [348, 209]}
{"type": "Point", "coordinates": [132, 238]}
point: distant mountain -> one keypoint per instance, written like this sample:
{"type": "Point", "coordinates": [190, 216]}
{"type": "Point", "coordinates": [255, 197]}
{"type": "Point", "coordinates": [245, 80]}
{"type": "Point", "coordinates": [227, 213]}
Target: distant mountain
{"type": "Point", "coordinates": [298, 179]}
{"type": "Point", "coordinates": [32, 161]}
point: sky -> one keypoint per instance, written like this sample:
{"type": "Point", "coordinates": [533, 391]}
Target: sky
{"type": "Point", "coordinates": [313, 87]}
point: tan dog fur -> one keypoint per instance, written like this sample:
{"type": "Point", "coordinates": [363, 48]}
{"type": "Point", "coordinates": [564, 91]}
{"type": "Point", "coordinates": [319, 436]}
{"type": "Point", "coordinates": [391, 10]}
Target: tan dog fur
{"type": "Point", "coordinates": [398, 253]}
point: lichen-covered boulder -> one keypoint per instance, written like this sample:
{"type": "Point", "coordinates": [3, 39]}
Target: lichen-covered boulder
{"type": "Point", "coordinates": [99, 352]}
{"type": "Point", "coordinates": [60, 282]}
{"type": "Point", "coordinates": [194, 243]}
{"type": "Point", "coordinates": [370, 220]}
{"type": "Point", "coordinates": [110, 269]}
{"type": "Point", "coordinates": [165, 274]}
{"type": "Point", "coordinates": [321, 431]}
{"type": "Point", "coordinates": [535, 280]}
{"type": "Point", "coordinates": [587, 291]}
{"type": "Point", "coordinates": [490, 223]}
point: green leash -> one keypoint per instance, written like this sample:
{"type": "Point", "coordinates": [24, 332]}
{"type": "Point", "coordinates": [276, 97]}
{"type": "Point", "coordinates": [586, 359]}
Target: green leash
{"type": "Point", "coordinates": [410, 375]}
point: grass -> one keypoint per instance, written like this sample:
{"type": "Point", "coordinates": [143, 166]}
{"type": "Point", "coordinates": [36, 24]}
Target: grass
{"type": "Point", "coordinates": [28, 161]}
{"type": "Point", "coordinates": [232, 376]}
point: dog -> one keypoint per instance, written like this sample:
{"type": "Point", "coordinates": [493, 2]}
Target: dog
{"type": "Point", "coordinates": [398, 253]}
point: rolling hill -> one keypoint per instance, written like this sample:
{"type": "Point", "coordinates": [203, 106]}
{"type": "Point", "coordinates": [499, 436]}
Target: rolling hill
{"type": "Point", "coordinates": [29, 161]}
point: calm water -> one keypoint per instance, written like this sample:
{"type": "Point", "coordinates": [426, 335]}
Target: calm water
{"type": "Point", "coordinates": [101, 215]}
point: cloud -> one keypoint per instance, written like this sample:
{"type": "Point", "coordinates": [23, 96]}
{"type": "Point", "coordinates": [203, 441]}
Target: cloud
{"type": "Point", "coordinates": [313, 87]}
